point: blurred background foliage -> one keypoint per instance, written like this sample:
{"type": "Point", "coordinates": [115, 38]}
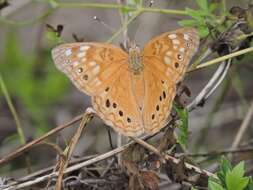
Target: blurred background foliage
{"type": "Point", "coordinates": [32, 81]}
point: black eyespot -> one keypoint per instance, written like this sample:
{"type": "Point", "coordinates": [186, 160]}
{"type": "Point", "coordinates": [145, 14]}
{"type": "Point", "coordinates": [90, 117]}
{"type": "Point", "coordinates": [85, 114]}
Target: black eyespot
{"type": "Point", "coordinates": [162, 81]}
{"type": "Point", "coordinates": [107, 89]}
{"type": "Point", "coordinates": [107, 103]}
{"type": "Point", "coordinates": [114, 105]}
{"type": "Point", "coordinates": [120, 113]}
{"type": "Point", "coordinates": [160, 98]}
{"type": "Point", "coordinates": [153, 116]}
{"type": "Point", "coordinates": [157, 108]}
{"type": "Point", "coordinates": [80, 69]}
{"type": "Point", "coordinates": [85, 77]}
{"type": "Point", "coordinates": [179, 57]}
{"type": "Point", "coordinates": [176, 64]}
{"type": "Point", "coordinates": [128, 120]}
{"type": "Point", "coordinates": [140, 108]}
{"type": "Point", "coordinates": [164, 94]}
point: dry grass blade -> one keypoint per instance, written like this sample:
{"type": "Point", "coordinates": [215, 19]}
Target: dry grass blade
{"type": "Point", "coordinates": [70, 148]}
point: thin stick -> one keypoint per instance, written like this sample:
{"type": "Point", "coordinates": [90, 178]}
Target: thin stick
{"type": "Point", "coordinates": [223, 58]}
{"type": "Point", "coordinates": [217, 152]}
{"type": "Point", "coordinates": [16, 119]}
{"type": "Point", "coordinates": [71, 147]}
{"type": "Point", "coordinates": [243, 127]}
{"type": "Point", "coordinates": [29, 145]}
{"type": "Point", "coordinates": [173, 159]}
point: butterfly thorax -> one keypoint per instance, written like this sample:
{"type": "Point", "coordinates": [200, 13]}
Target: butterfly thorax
{"type": "Point", "coordinates": [135, 60]}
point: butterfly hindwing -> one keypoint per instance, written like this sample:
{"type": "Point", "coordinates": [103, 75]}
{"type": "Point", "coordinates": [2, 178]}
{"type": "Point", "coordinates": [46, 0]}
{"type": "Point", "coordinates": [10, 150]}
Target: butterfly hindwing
{"type": "Point", "coordinates": [89, 65]}
{"type": "Point", "coordinates": [117, 106]}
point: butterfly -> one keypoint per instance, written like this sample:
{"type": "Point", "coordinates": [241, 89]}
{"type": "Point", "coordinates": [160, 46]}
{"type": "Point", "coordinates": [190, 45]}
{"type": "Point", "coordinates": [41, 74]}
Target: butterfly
{"type": "Point", "coordinates": [131, 91]}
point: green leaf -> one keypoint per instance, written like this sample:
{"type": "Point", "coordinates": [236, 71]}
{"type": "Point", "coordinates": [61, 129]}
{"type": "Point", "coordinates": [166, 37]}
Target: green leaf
{"type": "Point", "coordinates": [235, 179]}
{"type": "Point", "coordinates": [183, 126]}
{"type": "Point", "coordinates": [193, 188]}
{"type": "Point", "coordinates": [53, 37]}
{"type": "Point", "coordinates": [250, 184]}
{"type": "Point", "coordinates": [214, 186]}
{"type": "Point", "coordinates": [203, 4]}
{"type": "Point", "coordinates": [213, 7]}
{"type": "Point", "coordinates": [225, 167]}
{"type": "Point", "coordinates": [203, 31]}
{"type": "Point", "coordinates": [188, 23]}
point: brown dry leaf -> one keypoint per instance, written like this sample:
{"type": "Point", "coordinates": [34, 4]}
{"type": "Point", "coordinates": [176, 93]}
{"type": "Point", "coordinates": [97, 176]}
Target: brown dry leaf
{"type": "Point", "coordinates": [176, 172]}
{"type": "Point", "coordinates": [150, 180]}
{"type": "Point", "coordinates": [167, 141]}
{"type": "Point", "coordinates": [135, 183]}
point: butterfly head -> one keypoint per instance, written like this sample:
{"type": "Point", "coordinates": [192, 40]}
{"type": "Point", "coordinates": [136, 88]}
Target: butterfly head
{"type": "Point", "coordinates": [135, 59]}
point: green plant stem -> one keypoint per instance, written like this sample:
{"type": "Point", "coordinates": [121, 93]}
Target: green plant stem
{"type": "Point", "coordinates": [13, 111]}
{"type": "Point", "coordinates": [223, 58]}
{"type": "Point", "coordinates": [89, 5]}
{"type": "Point", "coordinates": [164, 11]}
{"type": "Point", "coordinates": [116, 6]}
{"type": "Point", "coordinates": [124, 26]}
{"type": "Point", "coordinates": [244, 36]}
{"type": "Point", "coordinates": [223, 6]}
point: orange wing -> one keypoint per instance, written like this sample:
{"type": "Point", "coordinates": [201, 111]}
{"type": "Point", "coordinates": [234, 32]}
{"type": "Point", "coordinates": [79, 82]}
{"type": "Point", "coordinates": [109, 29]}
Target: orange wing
{"type": "Point", "coordinates": [118, 106]}
{"type": "Point", "coordinates": [166, 59]}
{"type": "Point", "coordinates": [90, 66]}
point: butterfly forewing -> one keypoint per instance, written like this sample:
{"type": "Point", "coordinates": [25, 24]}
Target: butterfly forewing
{"type": "Point", "coordinates": [90, 66]}
{"type": "Point", "coordinates": [170, 53]}
{"type": "Point", "coordinates": [166, 59]}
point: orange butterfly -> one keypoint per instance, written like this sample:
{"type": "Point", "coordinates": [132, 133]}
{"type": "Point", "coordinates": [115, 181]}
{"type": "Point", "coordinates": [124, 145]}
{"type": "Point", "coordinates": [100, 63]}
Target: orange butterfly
{"type": "Point", "coordinates": [132, 92]}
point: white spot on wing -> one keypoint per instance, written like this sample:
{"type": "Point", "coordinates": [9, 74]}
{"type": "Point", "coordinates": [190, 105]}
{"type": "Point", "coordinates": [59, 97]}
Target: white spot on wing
{"type": "Point", "coordinates": [95, 70]}
{"type": "Point", "coordinates": [82, 54]}
{"type": "Point", "coordinates": [75, 63]}
{"type": "Point", "coordinates": [169, 53]}
{"type": "Point", "coordinates": [84, 48]}
{"type": "Point", "coordinates": [186, 37]}
{"type": "Point", "coordinates": [167, 60]}
{"type": "Point", "coordinates": [175, 41]}
{"type": "Point", "coordinates": [92, 63]}
{"type": "Point", "coordinates": [175, 47]}
{"type": "Point", "coordinates": [172, 36]}
{"type": "Point", "coordinates": [96, 82]}
{"type": "Point", "coordinates": [68, 52]}
{"type": "Point", "coordinates": [182, 50]}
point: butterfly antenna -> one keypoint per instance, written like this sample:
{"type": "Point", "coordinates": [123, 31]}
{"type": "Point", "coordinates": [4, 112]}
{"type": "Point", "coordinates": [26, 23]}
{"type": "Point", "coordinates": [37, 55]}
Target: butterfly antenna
{"type": "Point", "coordinates": [112, 30]}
